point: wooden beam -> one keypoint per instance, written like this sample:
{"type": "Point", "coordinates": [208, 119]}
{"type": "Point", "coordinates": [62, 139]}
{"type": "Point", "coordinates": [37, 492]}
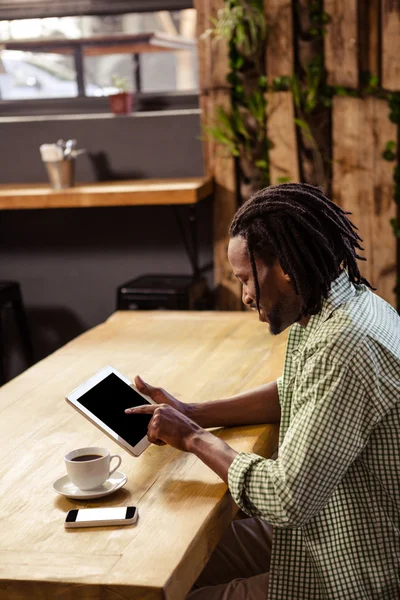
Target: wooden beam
{"type": "Point", "coordinates": [383, 240]}
{"type": "Point", "coordinates": [391, 44]}
{"type": "Point", "coordinates": [314, 142]}
{"type": "Point", "coordinates": [342, 43]}
{"type": "Point", "coordinates": [279, 52]}
{"type": "Point", "coordinates": [215, 92]}
{"type": "Point", "coordinates": [228, 291]}
{"type": "Point", "coordinates": [363, 183]}
{"type": "Point", "coordinates": [281, 131]}
{"type": "Point", "coordinates": [372, 30]}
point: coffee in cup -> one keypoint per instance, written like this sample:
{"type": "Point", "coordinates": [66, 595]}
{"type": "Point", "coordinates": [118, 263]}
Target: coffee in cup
{"type": "Point", "coordinates": [89, 468]}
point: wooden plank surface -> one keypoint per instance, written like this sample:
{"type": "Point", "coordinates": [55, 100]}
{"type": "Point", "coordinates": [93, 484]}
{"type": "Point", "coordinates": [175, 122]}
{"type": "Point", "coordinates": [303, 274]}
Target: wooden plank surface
{"type": "Point", "coordinates": [390, 23]}
{"type": "Point", "coordinates": [214, 93]}
{"type": "Point", "coordinates": [227, 287]}
{"type": "Point", "coordinates": [363, 183]}
{"type": "Point", "coordinates": [370, 26]}
{"type": "Point", "coordinates": [281, 131]}
{"type": "Point", "coordinates": [114, 193]}
{"type": "Point", "coordinates": [184, 507]}
{"type": "Point", "coordinates": [342, 43]}
{"type": "Point", "coordinates": [279, 51]}
{"type": "Point", "coordinates": [228, 290]}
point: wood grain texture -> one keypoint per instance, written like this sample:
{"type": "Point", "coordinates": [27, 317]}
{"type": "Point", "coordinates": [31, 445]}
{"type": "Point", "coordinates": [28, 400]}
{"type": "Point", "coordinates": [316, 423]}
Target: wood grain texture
{"type": "Point", "coordinates": [184, 507]}
{"type": "Point", "coordinates": [281, 131]}
{"type": "Point", "coordinates": [342, 43]}
{"type": "Point", "coordinates": [215, 93]}
{"type": "Point", "coordinates": [363, 183]}
{"type": "Point", "coordinates": [370, 25]}
{"type": "Point", "coordinates": [203, 44]}
{"type": "Point", "coordinates": [126, 193]}
{"type": "Point", "coordinates": [228, 291]}
{"type": "Point", "coordinates": [279, 51]}
{"type": "Point", "coordinates": [390, 44]}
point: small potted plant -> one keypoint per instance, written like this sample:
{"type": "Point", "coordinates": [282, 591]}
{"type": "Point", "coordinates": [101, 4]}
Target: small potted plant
{"type": "Point", "coordinates": [121, 102]}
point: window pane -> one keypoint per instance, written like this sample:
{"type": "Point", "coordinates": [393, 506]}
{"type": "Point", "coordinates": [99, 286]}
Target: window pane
{"type": "Point", "coordinates": [28, 75]}
{"type": "Point", "coordinates": [35, 29]}
{"type": "Point", "coordinates": [100, 70]}
{"type": "Point", "coordinates": [169, 71]}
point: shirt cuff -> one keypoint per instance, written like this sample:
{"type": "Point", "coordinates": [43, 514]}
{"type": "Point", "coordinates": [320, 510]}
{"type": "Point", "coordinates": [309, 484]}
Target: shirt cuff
{"type": "Point", "coordinates": [237, 475]}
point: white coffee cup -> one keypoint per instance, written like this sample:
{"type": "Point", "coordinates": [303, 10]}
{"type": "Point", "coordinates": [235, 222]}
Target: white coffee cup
{"type": "Point", "coordinates": [90, 473]}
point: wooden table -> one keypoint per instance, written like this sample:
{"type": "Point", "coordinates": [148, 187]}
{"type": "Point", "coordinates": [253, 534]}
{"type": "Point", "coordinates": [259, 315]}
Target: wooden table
{"type": "Point", "coordinates": [184, 507]}
{"type": "Point", "coordinates": [115, 193]}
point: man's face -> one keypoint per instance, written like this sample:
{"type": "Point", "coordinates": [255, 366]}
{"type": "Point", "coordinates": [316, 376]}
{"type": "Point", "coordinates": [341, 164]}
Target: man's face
{"type": "Point", "coordinates": [279, 304]}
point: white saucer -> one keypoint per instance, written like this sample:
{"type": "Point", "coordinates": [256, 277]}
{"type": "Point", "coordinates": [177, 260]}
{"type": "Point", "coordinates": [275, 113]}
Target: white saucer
{"type": "Point", "coordinates": [65, 487]}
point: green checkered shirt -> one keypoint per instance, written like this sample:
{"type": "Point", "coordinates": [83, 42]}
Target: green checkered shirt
{"type": "Point", "coordinates": [333, 494]}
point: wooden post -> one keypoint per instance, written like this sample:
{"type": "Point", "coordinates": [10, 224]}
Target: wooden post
{"type": "Point", "coordinates": [342, 43]}
{"type": "Point", "coordinates": [215, 92]}
{"type": "Point", "coordinates": [391, 44]}
{"type": "Point", "coordinates": [281, 130]}
{"type": "Point", "coordinates": [314, 141]}
{"type": "Point", "coordinates": [279, 58]}
{"type": "Point", "coordinates": [369, 27]}
{"type": "Point", "coordinates": [363, 183]}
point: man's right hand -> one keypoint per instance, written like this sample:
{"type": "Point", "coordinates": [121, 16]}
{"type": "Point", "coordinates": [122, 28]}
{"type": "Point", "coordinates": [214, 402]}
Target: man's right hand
{"type": "Point", "coordinates": [160, 396]}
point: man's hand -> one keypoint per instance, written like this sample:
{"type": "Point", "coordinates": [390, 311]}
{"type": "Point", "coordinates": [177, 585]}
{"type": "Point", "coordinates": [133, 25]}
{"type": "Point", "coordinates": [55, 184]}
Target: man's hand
{"type": "Point", "coordinates": [167, 424]}
{"type": "Point", "coordinates": [160, 396]}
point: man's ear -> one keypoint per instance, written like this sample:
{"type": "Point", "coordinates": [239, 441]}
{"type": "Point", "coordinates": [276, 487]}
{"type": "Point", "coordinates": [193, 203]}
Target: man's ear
{"type": "Point", "coordinates": [281, 273]}
{"type": "Point", "coordinates": [287, 277]}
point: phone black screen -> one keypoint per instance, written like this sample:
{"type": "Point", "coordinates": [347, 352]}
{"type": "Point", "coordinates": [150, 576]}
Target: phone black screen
{"type": "Point", "coordinates": [107, 401]}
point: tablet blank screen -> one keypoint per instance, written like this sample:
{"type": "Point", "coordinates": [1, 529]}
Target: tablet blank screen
{"type": "Point", "coordinates": [108, 399]}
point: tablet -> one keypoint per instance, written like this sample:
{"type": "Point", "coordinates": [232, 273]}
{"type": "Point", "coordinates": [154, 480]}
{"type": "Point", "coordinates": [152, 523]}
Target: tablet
{"type": "Point", "coordinates": [103, 399]}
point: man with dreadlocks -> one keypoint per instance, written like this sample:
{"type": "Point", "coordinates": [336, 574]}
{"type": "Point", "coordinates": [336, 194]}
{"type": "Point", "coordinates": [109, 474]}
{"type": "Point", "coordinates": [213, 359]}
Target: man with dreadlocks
{"type": "Point", "coordinates": [332, 496]}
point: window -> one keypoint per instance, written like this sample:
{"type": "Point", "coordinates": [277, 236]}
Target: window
{"type": "Point", "coordinates": [70, 57]}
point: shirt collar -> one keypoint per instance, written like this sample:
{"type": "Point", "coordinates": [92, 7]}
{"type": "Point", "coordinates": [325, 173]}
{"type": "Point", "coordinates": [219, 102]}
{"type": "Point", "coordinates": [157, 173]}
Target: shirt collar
{"type": "Point", "coordinates": [342, 290]}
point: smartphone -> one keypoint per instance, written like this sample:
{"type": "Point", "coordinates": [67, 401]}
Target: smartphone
{"type": "Point", "coordinates": [101, 517]}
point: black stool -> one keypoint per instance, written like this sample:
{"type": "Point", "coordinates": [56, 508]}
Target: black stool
{"type": "Point", "coordinates": [10, 295]}
{"type": "Point", "coordinates": [168, 292]}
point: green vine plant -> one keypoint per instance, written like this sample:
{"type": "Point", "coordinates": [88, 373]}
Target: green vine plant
{"type": "Point", "coordinates": [242, 130]}
{"type": "Point", "coordinates": [392, 153]}
{"type": "Point", "coordinates": [242, 21]}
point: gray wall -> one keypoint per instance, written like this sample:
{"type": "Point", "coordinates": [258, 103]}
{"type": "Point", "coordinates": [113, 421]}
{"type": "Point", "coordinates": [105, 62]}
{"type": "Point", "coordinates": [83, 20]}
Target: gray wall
{"type": "Point", "coordinates": [70, 261]}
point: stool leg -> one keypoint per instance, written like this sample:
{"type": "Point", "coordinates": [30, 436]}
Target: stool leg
{"type": "Point", "coordinates": [22, 323]}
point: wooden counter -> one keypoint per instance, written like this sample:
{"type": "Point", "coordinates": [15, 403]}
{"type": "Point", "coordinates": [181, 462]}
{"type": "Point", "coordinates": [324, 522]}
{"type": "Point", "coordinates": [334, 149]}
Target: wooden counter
{"type": "Point", "coordinates": [116, 193]}
{"type": "Point", "coordinates": [184, 507]}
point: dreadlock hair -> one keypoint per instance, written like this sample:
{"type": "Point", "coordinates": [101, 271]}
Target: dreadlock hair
{"type": "Point", "coordinates": [310, 236]}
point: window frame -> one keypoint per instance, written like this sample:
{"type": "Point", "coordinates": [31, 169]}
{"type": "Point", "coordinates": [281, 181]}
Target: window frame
{"type": "Point", "coordinates": [82, 104]}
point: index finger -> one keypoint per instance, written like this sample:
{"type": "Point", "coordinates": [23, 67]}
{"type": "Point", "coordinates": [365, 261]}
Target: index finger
{"type": "Point", "coordinates": [147, 409]}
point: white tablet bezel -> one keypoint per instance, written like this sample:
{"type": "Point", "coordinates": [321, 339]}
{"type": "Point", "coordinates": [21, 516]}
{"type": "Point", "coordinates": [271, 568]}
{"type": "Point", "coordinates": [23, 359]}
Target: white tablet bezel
{"type": "Point", "coordinates": [73, 399]}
